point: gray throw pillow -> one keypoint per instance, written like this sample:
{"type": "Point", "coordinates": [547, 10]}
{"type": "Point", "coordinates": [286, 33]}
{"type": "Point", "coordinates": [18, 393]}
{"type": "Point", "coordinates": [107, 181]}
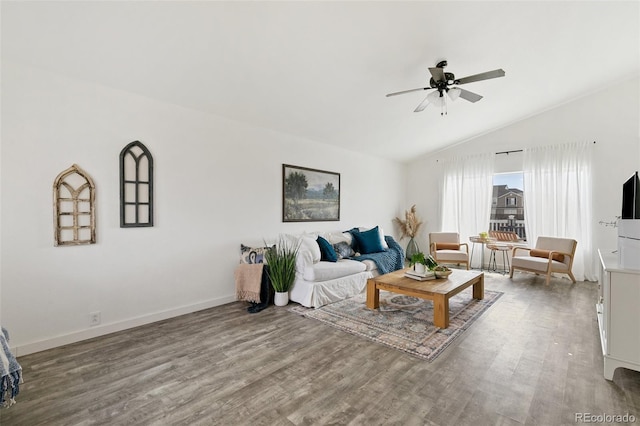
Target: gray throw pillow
{"type": "Point", "coordinates": [343, 250]}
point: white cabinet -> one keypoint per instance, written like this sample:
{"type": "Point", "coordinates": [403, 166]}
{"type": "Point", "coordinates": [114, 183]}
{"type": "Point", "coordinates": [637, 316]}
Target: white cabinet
{"type": "Point", "coordinates": [618, 311]}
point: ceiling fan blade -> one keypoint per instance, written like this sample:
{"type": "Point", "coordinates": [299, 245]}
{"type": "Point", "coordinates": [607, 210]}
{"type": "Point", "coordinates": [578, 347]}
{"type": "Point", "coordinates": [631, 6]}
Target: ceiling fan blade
{"type": "Point", "coordinates": [422, 105]}
{"type": "Point", "coordinates": [469, 96]}
{"type": "Point", "coordinates": [408, 91]}
{"type": "Point", "coordinates": [482, 76]}
{"type": "Point", "coordinates": [437, 74]}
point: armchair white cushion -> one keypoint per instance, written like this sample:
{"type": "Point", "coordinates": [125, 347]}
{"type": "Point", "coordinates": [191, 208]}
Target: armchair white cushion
{"type": "Point", "coordinates": [564, 248]}
{"type": "Point", "coordinates": [448, 254]}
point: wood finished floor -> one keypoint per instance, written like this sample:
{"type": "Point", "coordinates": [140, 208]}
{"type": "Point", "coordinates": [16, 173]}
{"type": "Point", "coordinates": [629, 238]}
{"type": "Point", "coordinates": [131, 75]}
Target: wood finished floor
{"type": "Point", "coordinates": [533, 358]}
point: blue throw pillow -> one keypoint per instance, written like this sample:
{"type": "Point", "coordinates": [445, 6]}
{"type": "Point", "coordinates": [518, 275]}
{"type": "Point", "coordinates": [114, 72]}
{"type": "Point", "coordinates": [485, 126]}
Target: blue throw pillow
{"type": "Point", "coordinates": [354, 242]}
{"type": "Point", "coordinates": [326, 250]}
{"type": "Point", "coordinates": [368, 241]}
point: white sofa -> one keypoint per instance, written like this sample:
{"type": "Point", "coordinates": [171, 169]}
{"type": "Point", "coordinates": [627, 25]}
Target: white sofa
{"type": "Point", "coordinates": [321, 282]}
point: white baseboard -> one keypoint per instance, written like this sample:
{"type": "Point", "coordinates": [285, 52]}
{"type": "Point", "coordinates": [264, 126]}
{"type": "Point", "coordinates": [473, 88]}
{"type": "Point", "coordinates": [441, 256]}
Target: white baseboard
{"type": "Point", "coordinates": [101, 330]}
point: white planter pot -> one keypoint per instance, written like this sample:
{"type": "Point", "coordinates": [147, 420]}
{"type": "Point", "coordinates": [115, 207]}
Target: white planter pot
{"type": "Point", "coordinates": [281, 299]}
{"type": "Point", "coordinates": [419, 268]}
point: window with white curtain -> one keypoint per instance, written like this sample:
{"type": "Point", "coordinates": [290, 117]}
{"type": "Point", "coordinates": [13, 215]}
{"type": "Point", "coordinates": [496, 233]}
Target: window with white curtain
{"type": "Point", "coordinates": [557, 192]}
{"type": "Point", "coordinates": [558, 203]}
{"type": "Point", "coordinates": [467, 194]}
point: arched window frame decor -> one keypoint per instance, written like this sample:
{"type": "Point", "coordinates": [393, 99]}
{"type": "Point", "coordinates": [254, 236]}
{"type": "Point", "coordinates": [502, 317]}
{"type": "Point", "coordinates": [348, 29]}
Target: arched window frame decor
{"type": "Point", "coordinates": [70, 200]}
{"type": "Point", "coordinates": [137, 179]}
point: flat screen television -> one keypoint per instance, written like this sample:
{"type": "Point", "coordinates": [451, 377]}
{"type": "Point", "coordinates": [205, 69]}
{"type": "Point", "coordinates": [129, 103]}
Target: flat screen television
{"type": "Point", "coordinates": [631, 198]}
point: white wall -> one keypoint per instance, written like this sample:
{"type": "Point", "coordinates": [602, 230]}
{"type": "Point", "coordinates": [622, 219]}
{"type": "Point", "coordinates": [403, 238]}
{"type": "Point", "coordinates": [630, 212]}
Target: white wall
{"type": "Point", "coordinates": [609, 117]}
{"type": "Point", "coordinates": [218, 183]}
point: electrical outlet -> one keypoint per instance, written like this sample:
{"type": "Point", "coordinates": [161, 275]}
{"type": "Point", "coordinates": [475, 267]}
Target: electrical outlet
{"type": "Point", "coordinates": [94, 318]}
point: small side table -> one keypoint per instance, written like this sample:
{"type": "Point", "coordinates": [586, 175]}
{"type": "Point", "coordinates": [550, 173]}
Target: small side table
{"type": "Point", "coordinates": [503, 248]}
{"type": "Point", "coordinates": [476, 239]}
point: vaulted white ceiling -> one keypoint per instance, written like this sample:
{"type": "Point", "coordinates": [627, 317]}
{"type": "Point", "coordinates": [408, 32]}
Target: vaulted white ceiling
{"type": "Point", "coordinates": [320, 70]}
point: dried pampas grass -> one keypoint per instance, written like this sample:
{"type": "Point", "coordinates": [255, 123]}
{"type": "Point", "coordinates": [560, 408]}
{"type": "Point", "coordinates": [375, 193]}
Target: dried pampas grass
{"type": "Point", "coordinates": [410, 225]}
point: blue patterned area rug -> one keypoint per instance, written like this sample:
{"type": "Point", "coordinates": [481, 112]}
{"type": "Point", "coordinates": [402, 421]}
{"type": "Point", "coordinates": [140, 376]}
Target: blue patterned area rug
{"type": "Point", "coordinates": [403, 322]}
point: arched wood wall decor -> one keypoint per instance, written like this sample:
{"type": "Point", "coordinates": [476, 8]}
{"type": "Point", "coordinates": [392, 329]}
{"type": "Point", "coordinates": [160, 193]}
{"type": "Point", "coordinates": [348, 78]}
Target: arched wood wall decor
{"type": "Point", "coordinates": [74, 208]}
{"type": "Point", "coordinates": [136, 186]}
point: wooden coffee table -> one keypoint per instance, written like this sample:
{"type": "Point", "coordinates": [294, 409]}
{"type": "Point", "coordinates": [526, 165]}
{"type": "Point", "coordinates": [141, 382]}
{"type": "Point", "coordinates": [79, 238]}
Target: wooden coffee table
{"type": "Point", "coordinates": [438, 290]}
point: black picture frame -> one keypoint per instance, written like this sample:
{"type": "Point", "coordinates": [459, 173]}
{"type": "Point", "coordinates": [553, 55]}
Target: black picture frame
{"type": "Point", "coordinates": [310, 195]}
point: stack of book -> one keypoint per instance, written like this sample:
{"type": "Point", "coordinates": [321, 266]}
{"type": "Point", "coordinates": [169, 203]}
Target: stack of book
{"type": "Point", "coordinates": [428, 275]}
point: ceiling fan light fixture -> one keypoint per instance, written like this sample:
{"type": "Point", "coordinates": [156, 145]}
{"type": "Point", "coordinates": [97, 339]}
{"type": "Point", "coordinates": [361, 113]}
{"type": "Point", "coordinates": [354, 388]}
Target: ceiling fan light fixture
{"type": "Point", "coordinates": [436, 99]}
{"type": "Point", "coordinates": [454, 93]}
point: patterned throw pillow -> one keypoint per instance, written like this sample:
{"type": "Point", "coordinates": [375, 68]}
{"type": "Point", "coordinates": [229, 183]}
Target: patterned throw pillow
{"type": "Point", "coordinates": [343, 250]}
{"type": "Point", "coordinates": [252, 254]}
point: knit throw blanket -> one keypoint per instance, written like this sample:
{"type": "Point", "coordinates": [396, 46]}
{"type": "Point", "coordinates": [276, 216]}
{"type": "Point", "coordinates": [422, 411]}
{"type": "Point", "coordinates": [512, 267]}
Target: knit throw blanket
{"type": "Point", "coordinates": [10, 372]}
{"type": "Point", "coordinates": [389, 260]}
{"type": "Point", "coordinates": [248, 279]}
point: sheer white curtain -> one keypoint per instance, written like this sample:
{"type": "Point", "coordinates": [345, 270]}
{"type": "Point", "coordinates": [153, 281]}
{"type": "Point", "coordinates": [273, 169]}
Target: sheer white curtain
{"type": "Point", "coordinates": [466, 195]}
{"type": "Point", "coordinates": [557, 191]}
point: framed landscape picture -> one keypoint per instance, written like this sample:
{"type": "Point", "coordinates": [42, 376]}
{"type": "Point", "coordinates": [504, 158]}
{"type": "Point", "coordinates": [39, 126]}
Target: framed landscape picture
{"type": "Point", "coordinates": [309, 195]}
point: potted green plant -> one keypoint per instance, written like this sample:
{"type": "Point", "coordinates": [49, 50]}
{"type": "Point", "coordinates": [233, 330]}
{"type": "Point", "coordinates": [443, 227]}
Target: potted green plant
{"type": "Point", "coordinates": [281, 261]}
{"type": "Point", "coordinates": [418, 262]}
{"type": "Point", "coordinates": [422, 263]}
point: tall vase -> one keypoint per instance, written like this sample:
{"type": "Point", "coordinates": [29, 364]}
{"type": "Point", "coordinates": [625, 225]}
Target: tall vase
{"type": "Point", "coordinates": [412, 248]}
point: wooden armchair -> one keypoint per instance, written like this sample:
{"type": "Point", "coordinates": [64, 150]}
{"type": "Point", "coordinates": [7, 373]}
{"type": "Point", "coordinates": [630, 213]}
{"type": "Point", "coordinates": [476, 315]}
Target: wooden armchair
{"type": "Point", "coordinates": [445, 247]}
{"type": "Point", "coordinates": [550, 255]}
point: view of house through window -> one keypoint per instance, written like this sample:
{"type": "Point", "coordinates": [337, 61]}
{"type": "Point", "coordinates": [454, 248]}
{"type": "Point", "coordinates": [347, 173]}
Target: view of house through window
{"type": "Point", "coordinates": [507, 206]}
